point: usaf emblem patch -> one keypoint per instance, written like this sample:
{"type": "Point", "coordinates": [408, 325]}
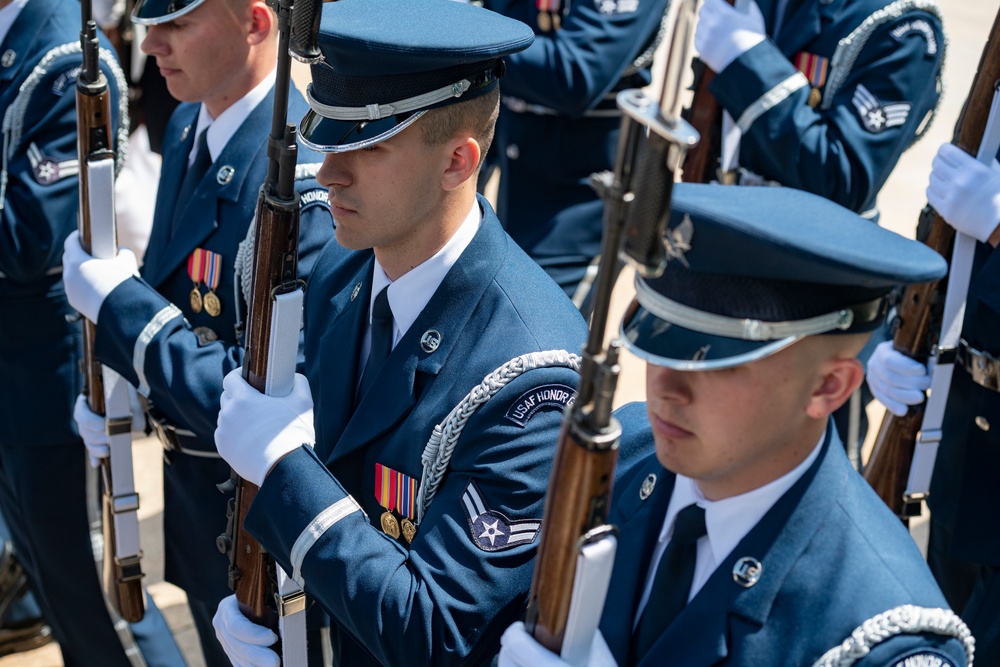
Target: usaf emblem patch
{"type": "Point", "coordinates": [491, 530]}
{"type": "Point", "coordinates": [533, 400]}
{"type": "Point", "coordinates": [875, 115]}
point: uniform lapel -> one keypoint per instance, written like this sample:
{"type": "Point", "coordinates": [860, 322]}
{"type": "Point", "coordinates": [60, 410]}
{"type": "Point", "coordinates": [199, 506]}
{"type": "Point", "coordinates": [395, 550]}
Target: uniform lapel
{"type": "Point", "coordinates": [802, 25]}
{"type": "Point", "coordinates": [223, 182]}
{"type": "Point", "coordinates": [155, 268]}
{"type": "Point", "coordinates": [339, 359]}
{"type": "Point", "coordinates": [21, 36]}
{"type": "Point", "coordinates": [394, 393]}
{"type": "Point", "coordinates": [639, 521]}
{"type": "Point", "coordinates": [723, 611]}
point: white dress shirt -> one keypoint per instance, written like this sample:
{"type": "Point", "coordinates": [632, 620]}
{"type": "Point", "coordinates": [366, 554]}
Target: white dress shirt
{"type": "Point", "coordinates": [410, 293]}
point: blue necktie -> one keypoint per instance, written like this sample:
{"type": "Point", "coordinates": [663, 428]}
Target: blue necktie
{"type": "Point", "coordinates": [672, 583]}
{"type": "Point", "coordinates": [381, 341]}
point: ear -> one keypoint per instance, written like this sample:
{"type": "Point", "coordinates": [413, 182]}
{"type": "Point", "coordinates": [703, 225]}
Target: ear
{"type": "Point", "coordinates": [838, 379]}
{"type": "Point", "coordinates": [261, 22]}
{"type": "Point", "coordinates": [463, 161]}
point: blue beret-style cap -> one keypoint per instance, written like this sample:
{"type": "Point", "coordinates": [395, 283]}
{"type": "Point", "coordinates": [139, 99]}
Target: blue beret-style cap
{"type": "Point", "coordinates": [754, 269]}
{"type": "Point", "coordinates": [386, 62]}
{"type": "Point", "coordinates": [154, 12]}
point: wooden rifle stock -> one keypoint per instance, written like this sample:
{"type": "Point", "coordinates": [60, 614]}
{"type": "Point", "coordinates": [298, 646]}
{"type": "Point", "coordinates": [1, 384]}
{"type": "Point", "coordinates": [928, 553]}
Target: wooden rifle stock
{"type": "Point", "coordinates": [704, 114]}
{"type": "Point", "coordinates": [123, 589]}
{"type": "Point", "coordinates": [920, 310]}
{"type": "Point", "coordinates": [275, 273]}
{"type": "Point", "coordinates": [651, 146]}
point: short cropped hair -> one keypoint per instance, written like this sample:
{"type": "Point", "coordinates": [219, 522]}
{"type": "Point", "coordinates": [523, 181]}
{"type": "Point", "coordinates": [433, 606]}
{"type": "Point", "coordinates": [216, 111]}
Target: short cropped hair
{"type": "Point", "coordinates": [477, 116]}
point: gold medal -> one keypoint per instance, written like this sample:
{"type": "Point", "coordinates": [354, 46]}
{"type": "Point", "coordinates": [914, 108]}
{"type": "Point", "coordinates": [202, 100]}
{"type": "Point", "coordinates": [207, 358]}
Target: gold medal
{"type": "Point", "coordinates": [544, 21]}
{"type": "Point", "coordinates": [556, 20]}
{"type": "Point", "coordinates": [212, 304]}
{"type": "Point", "coordinates": [814, 97]}
{"type": "Point", "coordinates": [390, 526]}
{"type": "Point", "coordinates": [195, 299]}
{"type": "Point", "coordinates": [409, 530]}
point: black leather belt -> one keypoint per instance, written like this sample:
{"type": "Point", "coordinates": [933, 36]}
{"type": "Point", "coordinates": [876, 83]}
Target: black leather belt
{"type": "Point", "coordinates": [982, 367]}
{"type": "Point", "coordinates": [172, 438]}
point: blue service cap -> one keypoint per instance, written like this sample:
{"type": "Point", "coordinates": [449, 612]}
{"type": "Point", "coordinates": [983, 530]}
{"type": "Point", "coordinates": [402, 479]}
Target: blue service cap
{"type": "Point", "coordinates": [751, 270]}
{"type": "Point", "coordinates": [154, 12]}
{"type": "Point", "coordinates": [386, 62]}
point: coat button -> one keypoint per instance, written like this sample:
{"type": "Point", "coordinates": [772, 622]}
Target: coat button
{"type": "Point", "coordinates": [8, 58]}
{"type": "Point", "coordinates": [513, 152]}
{"type": "Point", "coordinates": [983, 423]}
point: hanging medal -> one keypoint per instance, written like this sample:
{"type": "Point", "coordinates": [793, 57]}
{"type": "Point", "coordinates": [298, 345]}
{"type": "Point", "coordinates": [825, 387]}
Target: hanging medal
{"type": "Point", "coordinates": [396, 491]}
{"type": "Point", "coordinates": [548, 14]}
{"type": "Point", "coordinates": [195, 272]}
{"type": "Point", "coordinates": [205, 266]}
{"type": "Point", "coordinates": [815, 69]}
{"type": "Point", "coordinates": [213, 273]}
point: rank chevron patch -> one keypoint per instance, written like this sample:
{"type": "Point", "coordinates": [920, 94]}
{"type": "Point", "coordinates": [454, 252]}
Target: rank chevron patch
{"type": "Point", "coordinates": [876, 116]}
{"type": "Point", "coordinates": [47, 170]}
{"type": "Point", "coordinates": [491, 530]}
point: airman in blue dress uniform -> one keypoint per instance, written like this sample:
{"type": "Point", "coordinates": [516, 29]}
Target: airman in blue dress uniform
{"type": "Point", "coordinates": [42, 468]}
{"type": "Point", "coordinates": [175, 331]}
{"type": "Point", "coordinates": [964, 557]}
{"type": "Point", "coordinates": [413, 512]}
{"type": "Point", "coordinates": [827, 94]}
{"type": "Point", "coordinates": [750, 340]}
{"type": "Point", "coordinates": [559, 122]}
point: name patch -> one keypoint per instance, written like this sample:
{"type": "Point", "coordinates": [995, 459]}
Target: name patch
{"type": "Point", "coordinates": [317, 196]}
{"type": "Point", "coordinates": [547, 396]}
{"type": "Point", "coordinates": [925, 658]}
{"type": "Point", "coordinates": [920, 26]}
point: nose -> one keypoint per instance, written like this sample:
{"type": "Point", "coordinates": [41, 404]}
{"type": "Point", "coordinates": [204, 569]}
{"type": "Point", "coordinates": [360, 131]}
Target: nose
{"type": "Point", "coordinates": [667, 383]}
{"type": "Point", "coordinates": [334, 172]}
{"type": "Point", "coordinates": [153, 43]}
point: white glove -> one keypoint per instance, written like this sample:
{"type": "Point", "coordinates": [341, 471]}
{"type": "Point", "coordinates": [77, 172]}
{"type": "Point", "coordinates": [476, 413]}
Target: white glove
{"type": "Point", "coordinates": [255, 430]}
{"type": "Point", "coordinates": [93, 431]}
{"type": "Point", "coordinates": [724, 33]}
{"type": "Point", "coordinates": [965, 192]}
{"type": "Point", "coordinates": [246, 643]}
{"type": "Point", "coordinates": [519, 649]}
{"type": "Point", "coordinates": [896, 380]}
{"type": "Point", "coordinates": [89, 281]}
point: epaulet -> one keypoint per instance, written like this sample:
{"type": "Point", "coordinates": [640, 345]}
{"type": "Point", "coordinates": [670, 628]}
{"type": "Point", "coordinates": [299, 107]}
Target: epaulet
{"type": "Point", "coordinates": [848, 49]}
{"type": "Point", "coordinates": [906, 619]}
{"type": "Point", "coordinates": [13, 120]}
{"type": "Point", "coordinates": [439, 449]}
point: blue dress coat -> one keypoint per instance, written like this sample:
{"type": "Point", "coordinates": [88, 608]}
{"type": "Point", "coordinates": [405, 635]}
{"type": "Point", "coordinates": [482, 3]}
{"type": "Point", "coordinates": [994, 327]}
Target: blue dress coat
{"type": "Point", "coordinates": [42, 461]}
{"type": "Point", "coordinates": [150, 334]}
{"type": "Point", "coordinates": [545, 200]}
{"type": "Point", "coordinates": [446, 598]}
{"type": "Point", "coordinates": [833, 556]}
{"type": "Point", "coordinates": [877, 92]}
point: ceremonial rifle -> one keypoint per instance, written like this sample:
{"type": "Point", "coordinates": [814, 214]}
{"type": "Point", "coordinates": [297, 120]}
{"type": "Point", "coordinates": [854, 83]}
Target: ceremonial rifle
{"type": "Point", "coordinates": [920, 310]}
{"type": "Point", "coordinates": [704, 114]}
{"type": "Point", "coordinates": [275, 309]}
{"type": "Point", "coordinates": [106, 391]}
{"type": "Point", "coordinates": [576, 543]}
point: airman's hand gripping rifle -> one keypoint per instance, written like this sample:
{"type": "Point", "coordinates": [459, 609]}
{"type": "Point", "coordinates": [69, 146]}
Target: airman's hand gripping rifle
{"type": "Point", "coordinates": [265, 594]}
{"type": "Point", "coordinates": [106, 391]}
{"type": "Point", "coordinates": [577, 546]}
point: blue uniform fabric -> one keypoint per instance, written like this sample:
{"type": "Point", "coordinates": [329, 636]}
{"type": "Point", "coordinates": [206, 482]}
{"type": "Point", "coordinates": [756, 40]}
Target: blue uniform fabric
{"type": "Point", "coordinates": [545, 200]}
{"type": "Point", "coordinates": [42, 460]}
{"type": "Point", "coordinates": [833, 556]}
{"type": "Point", "coordinates": [446, 598]}
{"type": "Point", "coordinates": [829, 150]}
{"type": "Point", "coordinates": [181, 371]}
{"type": "Point", "coordinates": [970, 452]}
